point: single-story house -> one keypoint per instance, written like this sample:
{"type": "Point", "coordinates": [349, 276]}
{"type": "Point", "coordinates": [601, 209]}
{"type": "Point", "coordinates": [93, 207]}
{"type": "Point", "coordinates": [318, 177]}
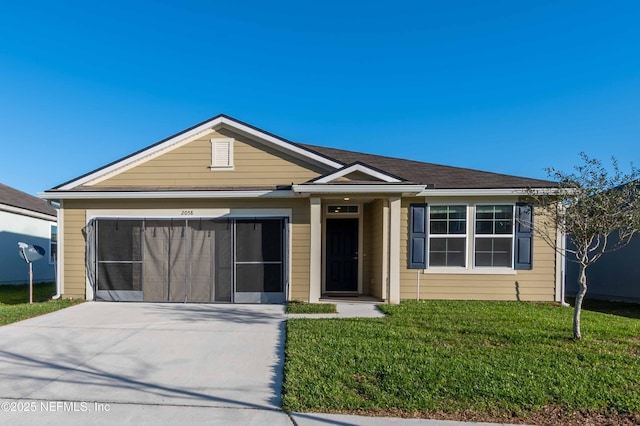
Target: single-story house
{"type": "Point", "coordinates": [28, 219]}
{"type": "Point", "coordinates": [227, 212]}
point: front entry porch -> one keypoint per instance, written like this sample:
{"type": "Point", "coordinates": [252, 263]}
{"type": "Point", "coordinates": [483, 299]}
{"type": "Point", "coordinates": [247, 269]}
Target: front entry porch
{"type": "Point", "coordinates": [355, 249]}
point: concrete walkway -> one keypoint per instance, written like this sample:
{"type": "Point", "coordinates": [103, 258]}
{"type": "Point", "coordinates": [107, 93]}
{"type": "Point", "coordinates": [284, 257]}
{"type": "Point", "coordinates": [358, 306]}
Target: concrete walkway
{"type": "Point", "coordinates": [347, 309]}
{"type": "Point", "coordinates": [156, 364]}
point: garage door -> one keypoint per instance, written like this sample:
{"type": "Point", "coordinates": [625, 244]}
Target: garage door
{"type": "Point", "coordinates": [195, 260]}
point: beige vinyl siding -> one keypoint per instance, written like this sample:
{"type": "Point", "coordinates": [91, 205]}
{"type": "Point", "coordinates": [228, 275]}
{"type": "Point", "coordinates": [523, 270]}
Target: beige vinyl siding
{"type": "Point", "coordinates": [255, 164]}
{"type": "Point", "coordinates": [357, 176]}
{"type": "Point", "coordinates": [73, 248]}
{"type": "Point", "coordinates": [75, 221]}
{"type": "Point", "coordinates": [537, 284]}
{"type": "Point", "coordinates": [376, 255]}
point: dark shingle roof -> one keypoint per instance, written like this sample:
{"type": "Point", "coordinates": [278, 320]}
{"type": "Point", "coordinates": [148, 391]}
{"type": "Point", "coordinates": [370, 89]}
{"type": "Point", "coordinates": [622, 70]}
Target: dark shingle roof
{"type": "Point", "coordinates": [12, 197]}
{"type": "Point", "coordinates": [442, 177]}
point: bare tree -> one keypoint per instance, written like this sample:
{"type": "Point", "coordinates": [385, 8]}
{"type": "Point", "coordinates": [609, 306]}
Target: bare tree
{"type": "Point", "coordinates": [597, 209]}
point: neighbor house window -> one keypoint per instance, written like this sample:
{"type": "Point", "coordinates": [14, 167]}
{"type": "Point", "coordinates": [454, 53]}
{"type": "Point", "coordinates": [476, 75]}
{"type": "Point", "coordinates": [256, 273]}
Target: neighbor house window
{"type": "Point", "coordinates": [494, 236]}
{"type": "Point", "coordinates": [447, 236]}
{"type": "Point", "coordinates": [53, 244]}
{"type": "Point", "coordinates": [222, 153]}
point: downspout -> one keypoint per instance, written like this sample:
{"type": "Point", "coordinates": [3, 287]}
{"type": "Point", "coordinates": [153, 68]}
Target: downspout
{"type": "Point", "coordinates": [55, 266]}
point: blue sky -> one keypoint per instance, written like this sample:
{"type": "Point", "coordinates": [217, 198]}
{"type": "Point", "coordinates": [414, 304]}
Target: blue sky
{"type": "Point", "coordinates": [504, 86]}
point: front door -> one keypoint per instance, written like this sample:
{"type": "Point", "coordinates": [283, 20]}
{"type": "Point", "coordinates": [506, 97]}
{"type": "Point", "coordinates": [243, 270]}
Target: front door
{"type": "Point", "coordinates": [342, 255]}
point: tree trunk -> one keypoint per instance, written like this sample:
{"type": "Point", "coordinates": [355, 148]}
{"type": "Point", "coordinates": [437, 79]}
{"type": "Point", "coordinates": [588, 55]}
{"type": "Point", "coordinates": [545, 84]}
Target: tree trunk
{"type": "Point", "coordinates": [579, 298]}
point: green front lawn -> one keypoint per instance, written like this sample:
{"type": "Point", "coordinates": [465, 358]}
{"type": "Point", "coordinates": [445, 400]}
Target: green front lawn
{"type": "Point", "coordinates": [296, 307]}
{"type": "Point", "coordinates": [467, 360]}
{"type": "Point", "coordinates": [14, 302]}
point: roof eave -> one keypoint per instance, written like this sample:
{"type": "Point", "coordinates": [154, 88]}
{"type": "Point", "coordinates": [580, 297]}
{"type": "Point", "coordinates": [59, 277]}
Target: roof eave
{"type": "Point", "coordinates": [358, 189]}
{"type": "Point", "coordinates": [26, 212]}
{"type": "Point", "coordinates": [434, 192]}
{"type": "Point", "coordinates": [127, 195]}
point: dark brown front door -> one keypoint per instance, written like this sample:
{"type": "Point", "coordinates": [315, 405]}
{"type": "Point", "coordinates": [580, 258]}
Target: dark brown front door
{"type": "Point", "coordinates": [342, 255]}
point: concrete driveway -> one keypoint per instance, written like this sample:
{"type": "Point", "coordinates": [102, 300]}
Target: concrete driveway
{"type": "Point", "coordinates": [102, 355]}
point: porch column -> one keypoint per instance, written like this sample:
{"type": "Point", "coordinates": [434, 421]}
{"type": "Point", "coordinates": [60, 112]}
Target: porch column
{"type": "Point", "coordinates": [394, 250]}
{"type": "Point", "coordinates": [315, 256]}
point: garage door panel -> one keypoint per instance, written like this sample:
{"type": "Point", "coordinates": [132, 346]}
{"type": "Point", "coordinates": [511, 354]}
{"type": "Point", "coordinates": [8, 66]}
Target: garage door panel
{"type": "Point", "coordinates": [201, 262]}
{"type": "Point", "coordinates": [223, 268]}
{"type": "Point", "coordinates": [120, 276]}
{"type": "Point", "coordinates": [119, 266]}
{"type": "Point", "coordinates": [177, 263]}
{"type": "Point", "coordinates": [156, 261]}
{"type": "Point", "coordinates": [259, 278]}
{"type": "Point", "coordinates": [120, 240]}
{"type": "Point", "coordinates": [259, 240]}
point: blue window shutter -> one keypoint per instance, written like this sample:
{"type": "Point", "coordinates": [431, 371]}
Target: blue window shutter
{"type": "Point", "coordinates": [418, 236]}
{"type": "Point", "coordinates": [523, 255]}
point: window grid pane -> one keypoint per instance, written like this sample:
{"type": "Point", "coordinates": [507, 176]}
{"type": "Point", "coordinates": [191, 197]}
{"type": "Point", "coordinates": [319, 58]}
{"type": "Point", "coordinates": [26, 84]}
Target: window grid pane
{"type": "Point", "coordinates": [494, 236]}
{"type": "Point", "coordinates": [448, 236]}
{"type": "Point", "coordinates": [492, 220]}
{"type": "Point", "coordinates": [447, 220]}
{"type": "Point", "coordinates": [493, 252]}
{"type": "Point", "coordinates": [448, 252]}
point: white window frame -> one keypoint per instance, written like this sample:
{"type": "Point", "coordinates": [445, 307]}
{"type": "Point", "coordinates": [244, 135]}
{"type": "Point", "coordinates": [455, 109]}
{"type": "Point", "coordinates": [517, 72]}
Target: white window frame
{"type": "Point", "coordinates": [437, 236]}
{"type": "Point", "coordinates": [229, 165]}
{"type": "Point", "coordinates": [505, 236]}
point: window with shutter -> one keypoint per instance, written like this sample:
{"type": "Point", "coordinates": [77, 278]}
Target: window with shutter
{"type": "Point", "coordinates": [524, 237]}
{"type": "Point", "coordinates": [482, 238]}
{"type": "Point", "coordinates": [418, 236]}
{"type": "Point", "coordinates": [222, 153]}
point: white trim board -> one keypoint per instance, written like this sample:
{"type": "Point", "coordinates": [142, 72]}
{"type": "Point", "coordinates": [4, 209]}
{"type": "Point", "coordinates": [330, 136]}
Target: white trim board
{"type": "Point", "coordinates": [357, 189]}
{"type": "Point", "coordinates": [78, 195]}
{"type": "Point", "coordinates": [194, 213]}
{"type": "Point", "coordinates": [481, 192]}
{"type": "Point", "coordinates": [29, 213]}
{"type": "Point", "coordinates": [357, 168]}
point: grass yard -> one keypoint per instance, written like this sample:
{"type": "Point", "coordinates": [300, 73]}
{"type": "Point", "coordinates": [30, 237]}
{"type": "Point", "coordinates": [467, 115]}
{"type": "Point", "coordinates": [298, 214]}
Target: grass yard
{"type": "Point", "coordinates": [14, 302]}
{"type": "Point", "coordinates": [14, 294]}
{"type": "Point", "coordinates": [490, 361]}
{"type": "Point", "coordinates": [295, 307]}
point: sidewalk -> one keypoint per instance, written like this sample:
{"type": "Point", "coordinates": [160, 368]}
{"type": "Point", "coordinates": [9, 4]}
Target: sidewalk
{"type": "Point", "coordinates": [108, 414]}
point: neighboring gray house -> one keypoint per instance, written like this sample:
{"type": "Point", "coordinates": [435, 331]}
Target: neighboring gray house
{"type": "Point", "coordinates": [31, 220]}
{"type": "Point", "coordinates": [615, 276]}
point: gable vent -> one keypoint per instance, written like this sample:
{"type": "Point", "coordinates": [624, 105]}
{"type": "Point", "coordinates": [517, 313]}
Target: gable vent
{"type": "Point", "coordinates": [221, 153]}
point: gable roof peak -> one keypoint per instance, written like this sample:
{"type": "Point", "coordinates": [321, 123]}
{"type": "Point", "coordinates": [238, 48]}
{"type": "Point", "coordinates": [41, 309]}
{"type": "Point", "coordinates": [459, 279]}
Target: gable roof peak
{"type": "Point", "coordinates": [193, 132]}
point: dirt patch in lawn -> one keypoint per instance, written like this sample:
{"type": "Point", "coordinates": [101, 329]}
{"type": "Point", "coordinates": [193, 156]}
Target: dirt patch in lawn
{"type": "Point", "coordinates": [545, 417]}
